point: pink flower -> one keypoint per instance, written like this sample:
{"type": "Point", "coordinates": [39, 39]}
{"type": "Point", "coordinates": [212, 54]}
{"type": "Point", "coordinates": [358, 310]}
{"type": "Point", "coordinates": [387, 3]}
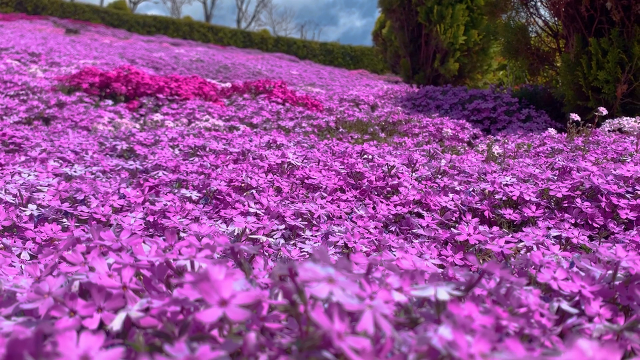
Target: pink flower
{"type": "Point", "coordinates": [44, 293]}
{"type": "Point", "coordinates": [225, 300]}
{"type": "Point", "coordinates": [102, 307]}
{"type": "Point", "coordinates": [555, 279]}
{"type": "Point", "coordinates": [338, 331]}
{"type": "Point", "coordinates": [85, 347]}
{"type": "Point", "coordinates": [592, 350]}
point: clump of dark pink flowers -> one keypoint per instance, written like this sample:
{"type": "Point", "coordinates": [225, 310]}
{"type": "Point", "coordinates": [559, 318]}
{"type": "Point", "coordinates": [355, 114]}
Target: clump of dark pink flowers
{"type": "Point", "coordinates": [131, 84]}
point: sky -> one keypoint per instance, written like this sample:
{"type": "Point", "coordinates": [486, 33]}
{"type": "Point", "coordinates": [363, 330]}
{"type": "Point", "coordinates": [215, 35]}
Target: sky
{"type": "Point", "coordinates": [346, 21]}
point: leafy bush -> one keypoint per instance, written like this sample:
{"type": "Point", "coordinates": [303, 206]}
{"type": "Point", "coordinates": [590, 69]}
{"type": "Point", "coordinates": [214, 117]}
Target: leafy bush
{"type": "Point", "coordinates": [601, 61]}
{"type": "Point", "coordinates": [265, 32]}
{"type": "Point", "coordinates": [440, 42]}
{"type": "Point", "coordinates": [604, 72]}
{"type": "Point", "coordinates": [119, 5]}
{"type": "Point", "coordinates": [386, 44]}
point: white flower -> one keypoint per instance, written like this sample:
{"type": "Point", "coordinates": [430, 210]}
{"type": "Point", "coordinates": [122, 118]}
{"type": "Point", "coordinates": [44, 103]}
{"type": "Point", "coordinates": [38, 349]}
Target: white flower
{"type": "Point", "coordinates": [133, 312]}
{"type": "Point", "coordinates": [625, 124]}
{"type": "Point", "coordinates": [442, 292]}
{"type": "Point", "coordinates": [552, 131]}
{"type": "Point", "coordinates": [447, 132]}
{"type": "Point", "coordinates": [574, 117]}
{"type": "Point", "coordinates": [31, 209]}
{"type": "Point", "coordinates": [601, 111]}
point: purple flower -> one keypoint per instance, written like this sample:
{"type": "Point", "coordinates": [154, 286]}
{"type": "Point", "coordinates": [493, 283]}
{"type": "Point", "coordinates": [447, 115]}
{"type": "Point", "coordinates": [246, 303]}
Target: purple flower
{"type": "Point", "coordinates": [85, 347]}
{"type": "Point", "coordinates": [225, 299]}
{"type": "Point", "coordinates": [180, 350]}
{"type": "Point", "coordinates": [43, 294]}
{"type": "Point", "coordinates": [125, 284]}
{"type": "Point", "coordinates": [69, 312]}
{"type": "Point", "coordinates": [555, 279]}
{"type": "Point", "coordinates": [337, 329]}
{"type": "Point", "coordinates": [101, 307]}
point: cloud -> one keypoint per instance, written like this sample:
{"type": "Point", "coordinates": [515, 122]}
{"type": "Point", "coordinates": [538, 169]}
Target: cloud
{"type": "Point", "coordinates": [346, 21]}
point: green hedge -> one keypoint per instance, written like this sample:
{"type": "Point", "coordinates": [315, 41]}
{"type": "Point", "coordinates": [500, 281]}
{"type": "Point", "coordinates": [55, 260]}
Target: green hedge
{"type": "Point", "coordinates": [332, 54]}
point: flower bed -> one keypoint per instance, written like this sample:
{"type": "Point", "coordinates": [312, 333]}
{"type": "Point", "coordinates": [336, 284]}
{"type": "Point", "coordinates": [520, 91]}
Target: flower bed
{"type": "Point", "coordinates": [310, 213]}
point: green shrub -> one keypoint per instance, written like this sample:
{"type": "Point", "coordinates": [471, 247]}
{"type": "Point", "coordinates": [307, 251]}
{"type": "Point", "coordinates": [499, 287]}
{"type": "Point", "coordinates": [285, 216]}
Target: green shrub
{"type": "Point", "coordinates": [603, 72]}
{"type": "Point", "coordinates": [265, 32]}
{"type": "Point", "coordinates": [438, 42]}
{"type": "Point", "coordinates": [119, 5]}
{"type": "Point", "coordinates": [386, 44]}
{"type": "Point", "coordinates": [187, 18]}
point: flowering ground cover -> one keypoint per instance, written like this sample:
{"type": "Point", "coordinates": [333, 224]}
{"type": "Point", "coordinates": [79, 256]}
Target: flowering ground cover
{"type": "Point", "coordinates": [165, 199]}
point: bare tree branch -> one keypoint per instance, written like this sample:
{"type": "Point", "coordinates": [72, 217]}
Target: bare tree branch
{"type": "Point", "coordinates": [175, 7]}
{"type": "Point", "coordinates": [133, 4]}
{"type": "Point", "coordinates": [207, 7]}
{"type": "Point", "coordinates": [244, 20]}
{"type": "Point", "coordinates": [309, 30]}
{"type": "Point", "coordinates": [280, 21]}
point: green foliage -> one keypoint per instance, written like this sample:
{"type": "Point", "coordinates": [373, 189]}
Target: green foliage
{"type": "Point", "coordinates": [332, 54]}
{"type": "Point", "coordinates": [187, 18]}
{"type": "Point", "coordinates": [528, 58]}
{"type": "Point", "coordinates": [603, 72]}
{"type": "Point", "coordinates": [437, 42]}
{"type": "Point", "coordinates": [264, 32]}
{"type": "Point", "coordinates": [119, 5]}
{"type": "Point", "coordinates": [386, 44]}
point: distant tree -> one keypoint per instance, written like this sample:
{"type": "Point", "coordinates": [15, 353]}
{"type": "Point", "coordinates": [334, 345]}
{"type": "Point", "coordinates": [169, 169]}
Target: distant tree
{"type": "Point", "coordinates": [119, 5]}
{"type": "Point", "coordinates": [175, 7]}
{"type": "Point", "coordinates": [133, 4]}
{"type": "Point", "coordinates": [279, 21]}
{"type": "Point", "coordinates": [246, 20]}
{"type": "Point", "coordinates": [207, 7]}
{"type": "Point", "coordinates": [309, 30]}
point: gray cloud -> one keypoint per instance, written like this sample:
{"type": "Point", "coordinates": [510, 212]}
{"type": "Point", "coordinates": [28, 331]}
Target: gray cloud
{"type": "Point", "coordinates": [345, 21]}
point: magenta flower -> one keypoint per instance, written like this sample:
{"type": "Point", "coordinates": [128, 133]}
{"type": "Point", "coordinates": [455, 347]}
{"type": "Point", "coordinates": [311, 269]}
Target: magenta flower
{"type": "Point", "coordinates": [43, 294]}
{"type": "Point", "coordinates": [338, 331]}
{"type": "Point", "coordinates": [555, 279]}
{"type": "Point", "coordinates": [180, 350]}
{"type": "Point", "coordinates": [376, 310]}
{"type": "Point", "coordinates": [102, 307]}
{"type": "Point", "coordinates": [583, 287]}
{"type": "Point", "coordinates": [125, 284]}
{"type": "Point", "coordinates": [69, 312]}
{"type": "Point", "coordinates": [469, 233]}
{"type": "Point", "coordinates": [225, 300]}
{"type": "Point", "coordinates": [592, 350]}
{"type": "Point", "coordinates": [85, 347]}
{"type": "Point", "coordinates": [325, 281]}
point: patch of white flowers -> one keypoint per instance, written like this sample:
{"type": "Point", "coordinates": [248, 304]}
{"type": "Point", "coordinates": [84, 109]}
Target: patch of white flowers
{"type": "Point", "coordinates": [627, 125]}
